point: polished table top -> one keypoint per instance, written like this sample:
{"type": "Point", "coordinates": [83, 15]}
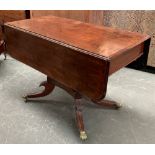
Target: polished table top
{"type": "Point", "coordinates": [78, 55]}
{"type": "Point", "coordinates": [103, 41]}
{"type": "Point", "coordinates": [75, 56]}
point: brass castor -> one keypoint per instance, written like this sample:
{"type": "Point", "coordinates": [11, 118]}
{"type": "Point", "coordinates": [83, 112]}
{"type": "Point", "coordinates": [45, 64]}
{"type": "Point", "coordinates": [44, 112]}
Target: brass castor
{"type": "Point", "coordinates": [25, 99]}
{"type": "Point", "coordinates": [108, 104]}
{"type": "Point", "coordinates": [118, 105]}
{"type": "Point", "coordinates": [83, 135]}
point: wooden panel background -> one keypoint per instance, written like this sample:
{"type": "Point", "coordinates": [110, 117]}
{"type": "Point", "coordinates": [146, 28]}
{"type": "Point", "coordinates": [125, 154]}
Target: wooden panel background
{"type": "Point", "coordinates": [88, 16]}
{"type": "Point", "coordinates": [11, 15]}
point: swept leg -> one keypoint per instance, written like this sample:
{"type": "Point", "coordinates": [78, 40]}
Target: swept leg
{"type": "Point", "coordinates": [48, 89]}
{"type": "Point", "coordinates": [79, 118]}
{"type": "Point", "coordinates": [2, 48]}
{"type": "Point", "coordinates": [108, 104]}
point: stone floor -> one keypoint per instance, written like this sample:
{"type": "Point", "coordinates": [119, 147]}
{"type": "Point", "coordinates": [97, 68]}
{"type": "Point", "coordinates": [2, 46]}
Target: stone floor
{"type": "Point", "coordinates": [51, 119]}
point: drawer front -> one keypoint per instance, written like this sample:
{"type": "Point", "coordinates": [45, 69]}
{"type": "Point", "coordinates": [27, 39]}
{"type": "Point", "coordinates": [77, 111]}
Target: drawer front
{"type": "Point", "coordinates": [84, 73]}
{"type": "Point", "coordinates": [125, 58]}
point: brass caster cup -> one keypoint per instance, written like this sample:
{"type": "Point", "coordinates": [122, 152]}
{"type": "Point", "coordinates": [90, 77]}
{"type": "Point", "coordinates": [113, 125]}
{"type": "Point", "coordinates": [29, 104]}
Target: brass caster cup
{"type": "Point", "coordinates": [118, 106]}
{"type": "Point", "coordinates": [25, 99]}
{"type": "Point", "coordinates": [83, 135]}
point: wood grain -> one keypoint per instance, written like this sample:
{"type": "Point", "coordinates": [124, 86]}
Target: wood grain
{"type": "Point", "coordinates": [73, 53]}
{"type": "Point", "coordinates": [98, 40]}
{"type": "Point", "coordinates": [125, 58]}
{"type": "Point", "coordinates": [83, 73]}
{"type": "Point", "coordinates": [88, 16]}
{"type": "Point", "coordinates": [136, 21]}
{"type": "Point", "coordinates": [139, 21]}
{"type": "Point", "coordinates": [10, 15]}
{"type": "Point", "coordinates": [2, 47]}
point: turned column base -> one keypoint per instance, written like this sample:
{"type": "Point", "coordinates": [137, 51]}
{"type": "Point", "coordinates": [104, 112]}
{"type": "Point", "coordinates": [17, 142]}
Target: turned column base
{"type": "Point", "coordinates": [49, 86]}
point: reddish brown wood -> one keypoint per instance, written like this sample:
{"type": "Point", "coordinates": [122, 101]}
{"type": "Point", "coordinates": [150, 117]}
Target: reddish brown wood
{"type": "Point", "coordinates": [141, 62]}
{"type": "Point", "coordinates": [69, 66]}
{"type": "Point", "coordinates": [12, 15]}
{"type": "Point", "coordinates": [100, 40]}
{"type": "Point", "coordinates": [49, 86]}
{"type": "Point", "coordinates": [129, 56]}
{"type": "Point", "coordinates": [79, 118]}
{"type": "Point", "coordinates": [1, 46]}
{"type": "Point", "coordinates": [75, 56]}
{"type": "Point", "coordinates": [48, 89]}
{"type": "Point", "coordinates": [78, 107]}
{"type": "Point", "coordinates": [95, 48]}
{"type": "Point", "coordinates": [108, 104]}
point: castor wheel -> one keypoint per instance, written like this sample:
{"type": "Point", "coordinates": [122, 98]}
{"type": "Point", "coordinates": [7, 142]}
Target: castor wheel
{"type": "Point", "coordinates": [25, 99]}
{"type": "Point", "coordinates": [118, 105]}
{"type": "Point", "coordinates": [83, 135]}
